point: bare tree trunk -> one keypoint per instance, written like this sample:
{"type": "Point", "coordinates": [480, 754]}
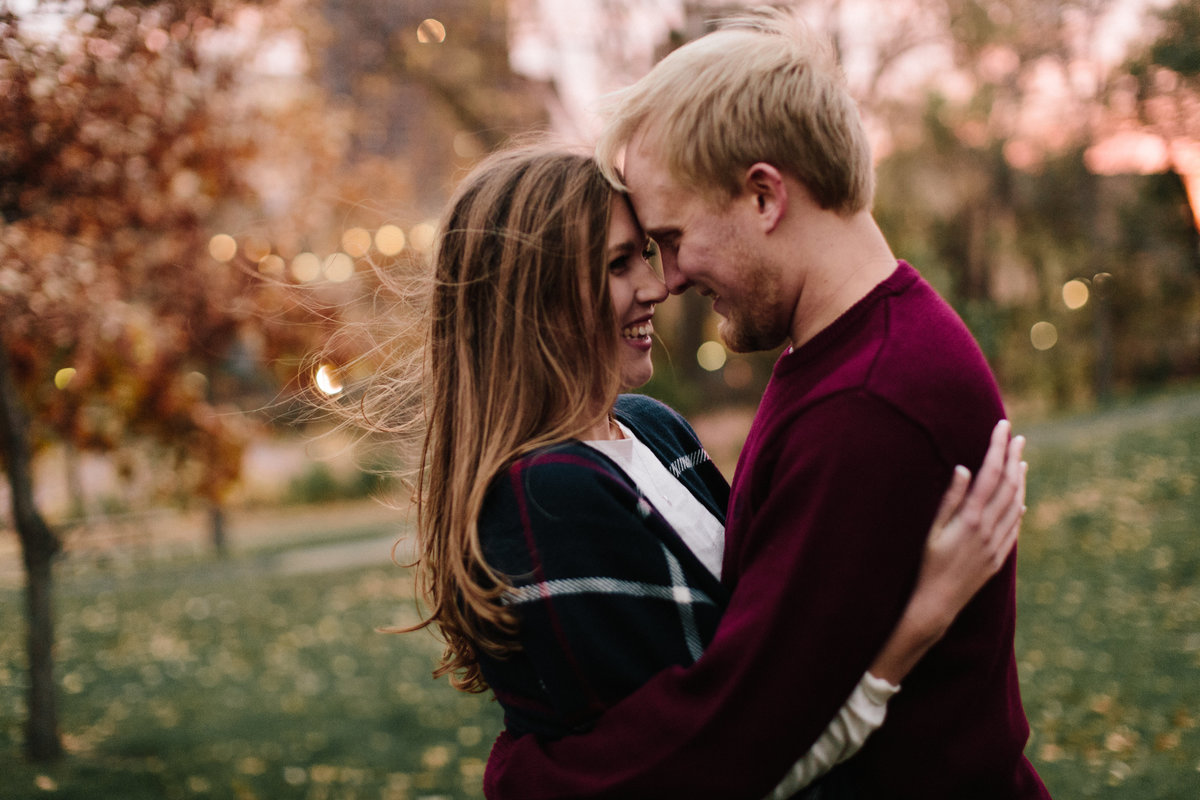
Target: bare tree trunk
{"type": "Point", "coordinates": [39, 545]}
{"type": "Point", "coordinates": [1102, 321]}
{"type": "Point", "coordinates": [74, 480]}
{"type": "Point", "coordinates": [216, 523]}
{"type": "Point", "coordinates": [41, 728]}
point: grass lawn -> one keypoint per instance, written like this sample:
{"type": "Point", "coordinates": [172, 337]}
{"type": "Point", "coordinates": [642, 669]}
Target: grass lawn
{"type": "Point", "coordinates": [189, 679]}
{"type": "Point", "coordinates": [1108, 632]}
{"type": "Point", "coordinates": [203, 680]}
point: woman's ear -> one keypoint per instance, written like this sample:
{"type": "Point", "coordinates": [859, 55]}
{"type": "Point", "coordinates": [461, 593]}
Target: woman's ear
{"type": "Point", "coordinates": [764, 185]}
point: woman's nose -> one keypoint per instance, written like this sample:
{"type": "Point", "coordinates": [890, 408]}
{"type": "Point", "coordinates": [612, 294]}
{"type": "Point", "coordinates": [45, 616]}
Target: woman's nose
{"type": "Point", "coordinates": [651, 288]}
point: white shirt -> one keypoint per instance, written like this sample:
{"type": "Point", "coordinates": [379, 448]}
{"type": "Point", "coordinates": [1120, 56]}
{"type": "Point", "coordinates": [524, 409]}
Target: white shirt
{"type": "Point", "coordinates": [700, 530]}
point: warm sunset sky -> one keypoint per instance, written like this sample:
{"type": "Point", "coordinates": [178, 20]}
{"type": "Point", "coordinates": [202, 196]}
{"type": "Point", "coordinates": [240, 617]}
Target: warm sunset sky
{"type": "Point", "coordinates": [576, 44]}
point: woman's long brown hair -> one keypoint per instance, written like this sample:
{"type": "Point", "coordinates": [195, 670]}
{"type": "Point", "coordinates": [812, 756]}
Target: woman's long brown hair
{"type": "Point", "coordinates": [521, 354]}
{"type": "Point", "coordinates": [520, 351]}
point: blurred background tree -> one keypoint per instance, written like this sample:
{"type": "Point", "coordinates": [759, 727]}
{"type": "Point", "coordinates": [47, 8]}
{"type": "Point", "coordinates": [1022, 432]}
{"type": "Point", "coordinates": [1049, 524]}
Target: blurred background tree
{"type": "Point", "coordinates": [1071, 255]}
{"type": "Point", "coordinates": [135, 134]}
{"type": "Point", "coordinates": [1007, 176]}
{"type": "Point", "coordinates": [1039, 162]}
{"type": "Point", "coordinates": [117, 149]}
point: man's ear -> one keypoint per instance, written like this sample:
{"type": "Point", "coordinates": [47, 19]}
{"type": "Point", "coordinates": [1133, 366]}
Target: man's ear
{"type": "Point", "coordinates": [764, 185]}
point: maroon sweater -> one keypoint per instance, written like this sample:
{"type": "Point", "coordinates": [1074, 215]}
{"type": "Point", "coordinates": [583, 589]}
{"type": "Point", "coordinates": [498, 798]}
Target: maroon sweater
{"type": "Point", "coordinates": [834, 493]}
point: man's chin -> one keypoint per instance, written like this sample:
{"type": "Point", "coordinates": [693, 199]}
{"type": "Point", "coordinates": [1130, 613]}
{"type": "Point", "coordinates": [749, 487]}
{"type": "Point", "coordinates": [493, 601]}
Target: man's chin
{"type": "Point", "coordinates": [733, 338]}
{"type": "Point", "coordinates": [740, 339]}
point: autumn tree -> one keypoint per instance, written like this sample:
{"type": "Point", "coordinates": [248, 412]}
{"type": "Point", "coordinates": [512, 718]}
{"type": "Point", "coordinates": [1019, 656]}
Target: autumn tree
{"type": "Point", "coordinates": [1155, 101]}
{"type": "Point", "coordinates": [127, 133]}
{"type": "Point", "coordinates": [152, 245]}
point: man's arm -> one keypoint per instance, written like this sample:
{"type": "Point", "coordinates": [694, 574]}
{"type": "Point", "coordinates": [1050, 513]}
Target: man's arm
{"type": "Point", "coordinates": [825, 561]}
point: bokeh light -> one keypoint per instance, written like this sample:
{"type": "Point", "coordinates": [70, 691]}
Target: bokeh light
{"type": "Point", "coordinates": [256, 248]}
{"type": "Point", "coordinates": [421, 236]}
{"type": "Point", "coordinates": [356, 242]}
{"type": "Point", "coordinates": [711, 356]}
{"type": "Point", "coordinates": [389, 240]}
{"type": "Point", "coordinates": [185, 184]}
{"type": "Point", "coordinates": [466, 145]}
{"type": "Point", "coordinates": [328, 380]}
{"type": "Point", "coordinates": [63, 378]}
{"type": "Point", "coordinates": [272, 265]}
{"type": "Point", "coordinates": [738, 373]}
{"type": "Point", "coordinates": [431, 31]}
{"type": "Point", "coordinates": [306, 267]}
{"type": "Point", "coordinates": [157, 40]}
{"type": "Point", "coordinates": [1043, 335]}
{"type": "Point", "coordinates": [222, 247]}
{"type": "Point", "coordinates": [1075, 294]}
{"type": "Point", "coordinates": [338, 268]}
{"type": "Point", "coordinates": [196, 384]}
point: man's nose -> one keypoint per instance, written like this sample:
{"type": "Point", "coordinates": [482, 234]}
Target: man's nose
{"type": "Point", "coordinates": [675, 280]}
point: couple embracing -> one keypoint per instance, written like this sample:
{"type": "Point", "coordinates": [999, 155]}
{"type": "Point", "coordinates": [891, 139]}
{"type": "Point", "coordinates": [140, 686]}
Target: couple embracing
{"type": "Point", "coordinates": [840, 622]}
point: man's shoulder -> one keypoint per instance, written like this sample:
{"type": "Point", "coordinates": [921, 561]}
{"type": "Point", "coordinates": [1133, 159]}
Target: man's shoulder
{"type": "Point", "coordinates": [911, 355]}
{"type": "Point", "coordinates": [929, 357]}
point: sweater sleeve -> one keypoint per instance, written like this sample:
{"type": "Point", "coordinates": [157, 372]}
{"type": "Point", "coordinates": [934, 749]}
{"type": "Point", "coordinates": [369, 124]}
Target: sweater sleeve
{"type": "Point", "coordinates": [830, 531]}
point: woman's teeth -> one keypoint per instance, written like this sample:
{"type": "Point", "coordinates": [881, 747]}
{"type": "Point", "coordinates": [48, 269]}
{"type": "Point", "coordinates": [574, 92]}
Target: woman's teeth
{"type": "Point", "coordinates": [637, 331]}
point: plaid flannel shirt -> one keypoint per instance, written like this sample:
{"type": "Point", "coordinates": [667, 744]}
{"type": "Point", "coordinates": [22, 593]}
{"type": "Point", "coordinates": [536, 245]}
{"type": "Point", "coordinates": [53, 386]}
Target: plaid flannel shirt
{"type": "Point", "coordinates": [606, 592]}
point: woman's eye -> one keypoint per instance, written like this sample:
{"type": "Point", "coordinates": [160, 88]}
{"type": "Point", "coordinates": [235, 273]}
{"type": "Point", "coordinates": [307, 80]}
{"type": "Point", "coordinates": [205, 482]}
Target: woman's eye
{"type": "Point", "coordinates": [618, 265]}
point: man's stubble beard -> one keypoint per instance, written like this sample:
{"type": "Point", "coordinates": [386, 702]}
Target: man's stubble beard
{"type": "Point", "coordinates": [759, 322]}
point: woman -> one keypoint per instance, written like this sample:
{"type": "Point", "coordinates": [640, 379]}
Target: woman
{"type": "Point", "coordinates": [570, 539]}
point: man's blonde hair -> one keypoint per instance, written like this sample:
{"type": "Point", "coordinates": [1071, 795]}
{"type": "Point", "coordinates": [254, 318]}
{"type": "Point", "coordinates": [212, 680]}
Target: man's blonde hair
{"type": "Point", "coordinates": [762, 87]}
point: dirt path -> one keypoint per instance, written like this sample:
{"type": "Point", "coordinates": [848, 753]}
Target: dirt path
{"type": "Point", "coordinates": [295, 540]}
{"type": "Point", "coordinates": [1112, 422]}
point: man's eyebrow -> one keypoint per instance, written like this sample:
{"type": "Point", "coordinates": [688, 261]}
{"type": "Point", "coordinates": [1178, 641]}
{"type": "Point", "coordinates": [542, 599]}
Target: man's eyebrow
{"type": "Point", "coordinates": [657, 234]}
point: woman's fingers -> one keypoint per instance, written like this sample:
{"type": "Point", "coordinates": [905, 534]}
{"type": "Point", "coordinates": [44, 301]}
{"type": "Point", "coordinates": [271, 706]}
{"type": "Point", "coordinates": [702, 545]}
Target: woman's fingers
{"type": "Point", "coordinates": [953, 497]}
{"type": "Point", "coordinates": [1009, 494]}
{"type": "Point", "coordinates": [991, 471]}
{"type": "Point", "coordinates": [1009, 525]}
{"type": "Point", "coordinates": [976, 525]}
{"type": "Point", "coordinates": [979, 510]}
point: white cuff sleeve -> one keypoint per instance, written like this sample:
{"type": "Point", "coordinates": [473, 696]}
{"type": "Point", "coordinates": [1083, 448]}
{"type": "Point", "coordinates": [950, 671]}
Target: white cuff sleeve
{"type": "Point", "coordinates": [861, 715]}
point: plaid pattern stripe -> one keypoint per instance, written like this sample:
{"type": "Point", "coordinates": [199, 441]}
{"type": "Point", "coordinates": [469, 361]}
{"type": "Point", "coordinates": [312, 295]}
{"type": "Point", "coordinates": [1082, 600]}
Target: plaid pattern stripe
{"type": "Point", "coordinates": [686, 462]}
{"type": "Point", "coordinates": [678, 592]}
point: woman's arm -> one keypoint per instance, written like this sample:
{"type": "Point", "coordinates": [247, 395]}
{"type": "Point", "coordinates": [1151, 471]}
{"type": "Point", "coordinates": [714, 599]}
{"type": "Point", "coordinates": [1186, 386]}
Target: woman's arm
{"type": "Point", "coordinates": [972, 535]}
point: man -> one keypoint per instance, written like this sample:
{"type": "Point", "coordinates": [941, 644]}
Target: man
{"type": "Point", "coordinates": [747, 163]}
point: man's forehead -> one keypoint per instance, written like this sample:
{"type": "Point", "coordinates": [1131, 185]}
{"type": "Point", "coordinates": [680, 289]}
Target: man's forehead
{"type": "Point", "coordinates": [645, 158]}
{"type": "Point", "coordinates": [649, 181]}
